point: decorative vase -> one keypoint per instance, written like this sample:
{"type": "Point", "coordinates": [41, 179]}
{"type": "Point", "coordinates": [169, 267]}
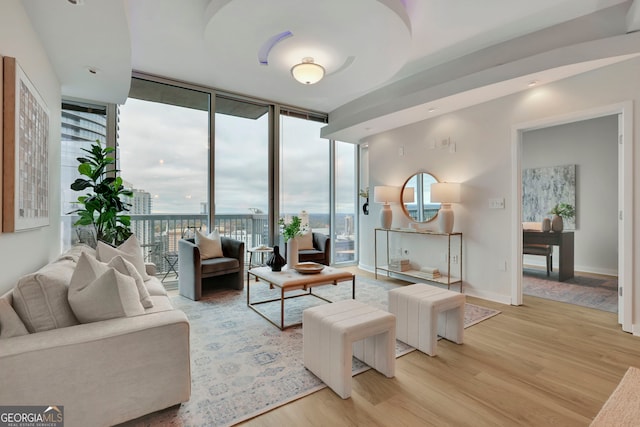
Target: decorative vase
{"type": "Point", "coordinates": [556, 223]}
{"type": "Point", "coordinates": [546, 225]}
{"type": "Point", "coordinates": [292, 252]}
{"type": "Point", "coordinates": [365, 207]}
{"type": "Point", "coordinates": [275, 261]}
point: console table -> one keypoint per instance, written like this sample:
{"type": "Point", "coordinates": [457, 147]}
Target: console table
{"type": "Point", "coordinates": [563, 240]}
{"type": "Point", "coordinates": [452, 262]}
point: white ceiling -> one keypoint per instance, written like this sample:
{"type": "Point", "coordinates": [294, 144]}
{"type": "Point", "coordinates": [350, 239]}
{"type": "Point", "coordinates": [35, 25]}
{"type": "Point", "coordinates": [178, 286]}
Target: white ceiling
{"type": "Point", "coordinates": [376, 52]}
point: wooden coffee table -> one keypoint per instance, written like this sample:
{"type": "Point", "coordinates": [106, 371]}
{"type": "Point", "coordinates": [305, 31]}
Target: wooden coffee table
{"type": "Point", "coordinates": [290, 280]}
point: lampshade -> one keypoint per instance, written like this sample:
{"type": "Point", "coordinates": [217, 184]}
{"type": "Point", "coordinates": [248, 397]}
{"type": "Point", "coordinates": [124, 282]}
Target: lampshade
{"type": "Point", "coordinates": [445, 192]}
{"type": "Point", "coordinates": [385, 194]}
{"type": "Point", "coordinates": [408, 195]}
{"type": "Point", "coordinates": [307, 72]}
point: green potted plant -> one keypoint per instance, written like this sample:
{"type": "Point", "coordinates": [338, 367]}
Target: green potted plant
{"type": "Point", "coordinates": [291, 230]}
{"type": "Point", "coordinates": [560, 211]}
{"type": "Point", "coordinates": [103, 205]}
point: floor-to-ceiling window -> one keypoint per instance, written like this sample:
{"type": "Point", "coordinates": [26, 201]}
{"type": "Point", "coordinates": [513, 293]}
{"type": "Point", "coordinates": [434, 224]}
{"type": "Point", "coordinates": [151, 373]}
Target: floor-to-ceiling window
{"type": "Point", "coordinates": [82, 124]}
{"type": "Point", "coordinates": [163, 152]}
{"type": "Point", "coordinates": [345, 206]}
{"type": "Point", "coordinates": [241, 170]}
{"type": "Point", "coordinates": [305, 172]}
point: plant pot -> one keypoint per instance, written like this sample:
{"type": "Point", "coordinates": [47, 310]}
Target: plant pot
{"type": "Point", "coordinates": [556, 223]}
{"type": "Point", "coordinates": [292, 252]}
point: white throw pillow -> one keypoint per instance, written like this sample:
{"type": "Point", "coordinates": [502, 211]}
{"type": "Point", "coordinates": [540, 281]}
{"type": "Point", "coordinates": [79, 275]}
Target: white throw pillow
{"type": "Point", "coordinates": [305, 241]}
{"type": "Point", "coordinates": [129, 250]}
{"type": "Point", "coordinates": [10, 323]}
{"type": "Point", "coordinates": [128, 269]}
{"type": "Point", "coordinates": [99, 292]}
{"type": "Point", "coordinates": [210, 246]}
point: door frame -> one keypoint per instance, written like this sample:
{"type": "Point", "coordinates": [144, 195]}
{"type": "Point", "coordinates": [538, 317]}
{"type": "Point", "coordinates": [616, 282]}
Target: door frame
{"type": "Point", "coordinates": [624, 111]}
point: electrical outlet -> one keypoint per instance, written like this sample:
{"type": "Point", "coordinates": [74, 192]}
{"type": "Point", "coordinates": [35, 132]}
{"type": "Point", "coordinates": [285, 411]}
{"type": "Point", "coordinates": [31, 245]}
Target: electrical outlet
{"type": "Point", "coordinates": [454, 259]}
{"type": "Point", "coordinates": [406, 251]}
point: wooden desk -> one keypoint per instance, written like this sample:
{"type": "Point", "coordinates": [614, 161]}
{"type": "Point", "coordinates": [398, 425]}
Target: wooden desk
{"type": "Point", "coordinates": [564, 242]}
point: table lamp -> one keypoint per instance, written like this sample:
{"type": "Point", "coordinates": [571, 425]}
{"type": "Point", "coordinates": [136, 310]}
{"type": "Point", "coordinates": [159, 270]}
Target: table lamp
{"type": "Point", "coordinates": [385, 194]}
{"type": "Point", "coordinates": [445, 193]}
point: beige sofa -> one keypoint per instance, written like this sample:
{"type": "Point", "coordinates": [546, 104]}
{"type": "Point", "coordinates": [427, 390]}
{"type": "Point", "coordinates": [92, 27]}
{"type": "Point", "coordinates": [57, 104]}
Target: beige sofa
{"type": "Point", "coordinates": [103, 373]}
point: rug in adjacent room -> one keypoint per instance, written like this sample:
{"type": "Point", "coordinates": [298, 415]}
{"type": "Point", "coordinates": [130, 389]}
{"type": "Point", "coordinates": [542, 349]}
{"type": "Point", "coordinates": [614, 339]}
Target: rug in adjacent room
{"type": "Point", "coordinates": [243, 366]}
{"type": "Point", "coordinates": [592, 292]}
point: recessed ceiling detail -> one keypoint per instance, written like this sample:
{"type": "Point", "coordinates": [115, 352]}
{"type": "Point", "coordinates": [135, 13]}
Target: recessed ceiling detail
{"type": "Point", "coordinates": [379, 39]}
{"type": "Point", "coordinates": [263, 53]}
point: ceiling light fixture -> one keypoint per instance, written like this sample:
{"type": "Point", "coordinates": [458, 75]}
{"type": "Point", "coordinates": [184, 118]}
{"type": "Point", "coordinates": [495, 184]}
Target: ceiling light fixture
{"type": "Point", "coordinates": [307, 72]}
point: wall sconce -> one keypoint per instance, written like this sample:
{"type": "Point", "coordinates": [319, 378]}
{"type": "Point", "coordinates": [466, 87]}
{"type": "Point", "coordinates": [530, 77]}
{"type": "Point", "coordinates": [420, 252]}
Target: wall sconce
{"type": "Point", "coordinates": [307, 72]}
{"type": "Point", "coordinates": [445, 193]}
{"type": "Point", "coordinates": [385, 194]}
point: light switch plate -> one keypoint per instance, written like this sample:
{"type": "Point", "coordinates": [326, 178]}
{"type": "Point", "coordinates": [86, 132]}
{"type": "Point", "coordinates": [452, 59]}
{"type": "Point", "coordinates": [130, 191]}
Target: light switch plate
{"type": "Point", "coordinates": [496, 203]}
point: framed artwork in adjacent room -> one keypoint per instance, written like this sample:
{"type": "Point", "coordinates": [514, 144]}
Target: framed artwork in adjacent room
{"type": "Point", "coordinates": [25, 163]}
{"type": "Point", "coordinates": [543, 188]}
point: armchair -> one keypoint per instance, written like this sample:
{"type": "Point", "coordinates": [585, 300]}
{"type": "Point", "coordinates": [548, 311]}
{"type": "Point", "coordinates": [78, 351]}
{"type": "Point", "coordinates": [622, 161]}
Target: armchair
{"type": "Point", "coordinates": [321, 250]}
{"type": "Point", "coordinates": [227, 271]}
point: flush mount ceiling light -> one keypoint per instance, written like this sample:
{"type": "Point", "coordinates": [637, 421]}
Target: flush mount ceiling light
{"type": "Point", "coordinates": [307, 72]}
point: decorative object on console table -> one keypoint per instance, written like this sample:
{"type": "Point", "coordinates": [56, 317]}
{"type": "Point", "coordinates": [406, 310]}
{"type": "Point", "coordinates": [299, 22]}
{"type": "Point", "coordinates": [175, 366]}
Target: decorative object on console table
{"type": "Point", "coordinates": [560, 211]}
{"type": "Point", "coordinates": [399, 264]}
{"type": "Point", "coordinates": [445, 193]}
{"type": "Point", "coordinates": [546, 225]}
{"type": "Point", "coordinates": [25, 195]}
{"type": "Point", "coordinates": [365, 195]}
{"type": "Point", "coordinates": [275, 261]}
{"type": "Point", "coordinates": [385, 194]}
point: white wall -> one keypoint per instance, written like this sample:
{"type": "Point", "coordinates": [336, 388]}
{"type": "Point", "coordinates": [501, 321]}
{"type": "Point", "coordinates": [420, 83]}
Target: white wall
{"type": "Point", "coordinates": [482, 162]}
{"type": "Point", "coordinates": [26, 251]}
{"type": "Point", "coordinates": [592, 145]}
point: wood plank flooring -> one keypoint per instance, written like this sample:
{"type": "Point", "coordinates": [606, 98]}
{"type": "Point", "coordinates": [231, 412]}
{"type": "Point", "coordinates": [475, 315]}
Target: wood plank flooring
{"type": "Point", "coordinates": [544, 363]}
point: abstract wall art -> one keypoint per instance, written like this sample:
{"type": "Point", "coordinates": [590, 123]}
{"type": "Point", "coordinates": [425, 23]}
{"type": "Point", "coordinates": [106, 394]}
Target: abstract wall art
{"type": "Point", "coordinates": [25, 198]}
{"type": "Point", "coordinates": [543, 188]}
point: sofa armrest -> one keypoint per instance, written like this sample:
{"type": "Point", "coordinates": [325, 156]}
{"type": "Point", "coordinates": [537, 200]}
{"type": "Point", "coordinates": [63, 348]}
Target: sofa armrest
{"type": "Point", "coordinates": [190, 269]}
{"type": "Point", "coordinates": [150, 268]}
{"type": "Point", "coordinates": [320, 241]}
{"type": "Point", "coordinates": [233, 249]}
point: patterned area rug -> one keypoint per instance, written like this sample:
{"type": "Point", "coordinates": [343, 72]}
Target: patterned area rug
{"type": "Point", "coordinates": [592, 292]}
{"type": "Point", "coordinates": [243, 366]}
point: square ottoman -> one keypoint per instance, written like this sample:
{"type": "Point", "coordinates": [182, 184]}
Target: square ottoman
{"type": "Point", "coordinates": [333, 333]}
{"type": "Point", "coordinates": [423, 312]}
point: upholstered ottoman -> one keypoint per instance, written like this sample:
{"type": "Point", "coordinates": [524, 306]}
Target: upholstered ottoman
{"type": "Point", "coordinates": [423, 312]}
{"type": "Point", "coordinates": [333, 333]}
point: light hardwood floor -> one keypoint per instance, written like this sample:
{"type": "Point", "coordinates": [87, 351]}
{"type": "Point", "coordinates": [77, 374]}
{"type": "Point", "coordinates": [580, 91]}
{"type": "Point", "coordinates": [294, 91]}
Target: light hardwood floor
{"type": "Point", "coordinates": [544, 363]}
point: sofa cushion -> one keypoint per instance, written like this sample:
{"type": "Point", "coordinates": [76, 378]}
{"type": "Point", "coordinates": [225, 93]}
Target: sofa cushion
{"type": "Point", "coordinates": [210, 246]}
{"type": "Point", "coordinates": [100, 292]}
{"type": "Point", "coordinates": [40, 298]}
{"type": "Point", "coordinates": [129, 250]}
{"type": "Point", "coordinates": [305, 241]}
{"type": "Point", "coordinates": [215, 266]}
{"type": "Point", "coordinates": [128, 269]}
{"type": "Point", "coordinates": [10, 323]}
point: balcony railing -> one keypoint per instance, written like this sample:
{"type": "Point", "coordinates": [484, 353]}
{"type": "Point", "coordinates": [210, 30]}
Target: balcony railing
{"type": "Point", "coordinates": [159, 234]}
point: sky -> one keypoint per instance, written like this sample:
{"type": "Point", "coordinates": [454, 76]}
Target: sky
{"type": "Point", "coordinates": [164, 150]}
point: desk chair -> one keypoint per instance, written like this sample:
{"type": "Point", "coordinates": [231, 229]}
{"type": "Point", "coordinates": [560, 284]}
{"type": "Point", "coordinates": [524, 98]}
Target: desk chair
{"type": "Point", "coordinates": [537, 249]}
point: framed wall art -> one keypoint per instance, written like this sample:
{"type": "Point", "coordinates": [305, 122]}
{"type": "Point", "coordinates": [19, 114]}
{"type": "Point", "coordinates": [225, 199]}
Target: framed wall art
{"type": "Point", "coordinates": [543, 188]}
{"type": "Point", "coordinates": [25, 198]}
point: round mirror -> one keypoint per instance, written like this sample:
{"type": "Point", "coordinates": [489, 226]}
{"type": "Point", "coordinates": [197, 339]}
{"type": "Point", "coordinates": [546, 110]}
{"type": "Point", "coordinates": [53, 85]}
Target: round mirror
{"type": "Point", "coordinates": [416, 198]}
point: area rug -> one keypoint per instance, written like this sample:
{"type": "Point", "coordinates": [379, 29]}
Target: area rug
{"type": "Point", "coordinates": [592, 292]}
{"type": "Point", "coordinates": [243, 366]}
{"type": "Point", "coordinates": [623, 406]}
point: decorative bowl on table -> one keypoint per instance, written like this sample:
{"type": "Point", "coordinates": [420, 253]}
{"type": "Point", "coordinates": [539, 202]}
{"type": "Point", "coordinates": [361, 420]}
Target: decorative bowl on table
{"type": "Point", "coordinates": [308, 267]}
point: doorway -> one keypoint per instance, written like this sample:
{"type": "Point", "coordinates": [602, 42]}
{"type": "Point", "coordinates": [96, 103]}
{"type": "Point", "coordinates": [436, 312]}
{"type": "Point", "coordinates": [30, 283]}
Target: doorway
{"type": "Point", "coordinates": [574, 163]}
{"type": "Point", "coordinates": [624, 188]}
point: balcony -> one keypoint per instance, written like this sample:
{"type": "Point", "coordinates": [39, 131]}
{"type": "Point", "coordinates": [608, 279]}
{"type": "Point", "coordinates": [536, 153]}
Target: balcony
{"type": "Point", "coordinates": [159, 234]}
